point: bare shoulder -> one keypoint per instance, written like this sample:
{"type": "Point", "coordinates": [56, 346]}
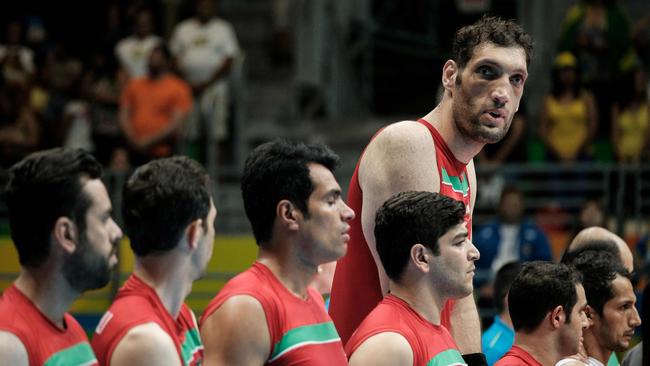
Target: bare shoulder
{"type": "Point", "coordinates": [12, 350]}
{"type": "Point", "coordinates": [401, 138]}
{"type": "Point", "coordinates": [146, 344]}
{"type": "Point", "coordinates": [397, 157]}
{"type": "Point", "coordinates": [236, 333]}
{"type": "Point", "coordinates": [387, 348]}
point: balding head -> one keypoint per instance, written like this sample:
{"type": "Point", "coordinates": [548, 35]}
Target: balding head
{"type": "Point", "coordinates": [598, 234]}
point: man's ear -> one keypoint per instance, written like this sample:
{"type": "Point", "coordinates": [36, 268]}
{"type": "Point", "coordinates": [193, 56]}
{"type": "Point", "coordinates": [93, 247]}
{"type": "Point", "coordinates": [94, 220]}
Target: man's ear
{"type": "Point", "coordinates": [288, 214]}
{"type": "Point", "coordinates": [450, 72]}
{"type": "Point", "coordinates": [420, 257]}
{"type": "Point", "coordinates": [66, 234]}
{"type": "Point", "coordinates": [557, 316]}
{"type": "Point", "coordinates": [193, 233]}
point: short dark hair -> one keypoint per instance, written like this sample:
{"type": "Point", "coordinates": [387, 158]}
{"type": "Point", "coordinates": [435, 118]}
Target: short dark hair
{"type": "Point", "coordinates": [42, 187]}
{"type": "Point", "coordinates": [409, 218]}
{"type": "Point", "coordinates": [502, 282]}
{"type": "Point", "coordinates": [160, 199]}
{"type": "Point", "coordinates": [500, 32]}
{"type": "Point", "coordinates": [276, 171]}
{"type": "Point", "coordinates": [599, 269]}
{"type": "Point", "coordinates": [538, 289]}
{"type": "Point", "coordinates": [606, 245]}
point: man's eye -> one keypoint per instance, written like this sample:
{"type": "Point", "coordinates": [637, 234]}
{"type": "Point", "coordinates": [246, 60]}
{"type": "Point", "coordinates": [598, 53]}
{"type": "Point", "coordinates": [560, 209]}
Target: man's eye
{"type": "Point", "coordinates": [485, 71]}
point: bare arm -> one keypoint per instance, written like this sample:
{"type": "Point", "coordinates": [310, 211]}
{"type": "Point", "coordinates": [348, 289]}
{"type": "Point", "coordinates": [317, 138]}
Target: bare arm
{"type": "Point", "coordinates": [146, 344]}
{"type": "Point", "coordinates": [465, 321]}
{"type": "Point", "coordinates": [543, 122]}
{"type": "Point", "coordinates": [236, 334]}
{"type": "Point", "coordinates": [616, 135]}
{"type": "Point", "coordinates": [592, 116]}
{"type": "Point", "coordinates": [383, 349]}
{"type": "Point", "coordinates": [401, 158]}
{"type": "Point", "coordinates": [12, 350]}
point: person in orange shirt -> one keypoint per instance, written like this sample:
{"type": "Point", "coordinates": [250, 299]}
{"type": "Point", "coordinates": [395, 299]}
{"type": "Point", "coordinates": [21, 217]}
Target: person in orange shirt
{"type": "Point", "coordinates": [153, 109]}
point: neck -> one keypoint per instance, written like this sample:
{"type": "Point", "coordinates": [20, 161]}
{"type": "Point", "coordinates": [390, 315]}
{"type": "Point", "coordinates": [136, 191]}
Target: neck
{"type": "Point", "coordinates": [542, 347]}
{"type": "Point", "coordinates": [49, 291]}
{"type": "Point", "coordinates": [169, 278]}
{"type": "Point", "coordinates": [505, 318]}
{"type": "Point", "coordinates": [420, 297]}
{"type": "Point", "coordinates": [594, 349]}
{"type": "Point", "coordinates": [463, 148]}
{"type": "Point", "coordinates": [294, 274]}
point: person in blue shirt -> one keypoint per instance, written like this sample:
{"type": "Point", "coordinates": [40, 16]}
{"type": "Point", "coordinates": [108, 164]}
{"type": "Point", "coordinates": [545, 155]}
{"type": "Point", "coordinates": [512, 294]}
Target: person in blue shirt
{"type": "Point", "coordinates": [510, 237]}
{"type": "Point", "coordinates": [499, 337]}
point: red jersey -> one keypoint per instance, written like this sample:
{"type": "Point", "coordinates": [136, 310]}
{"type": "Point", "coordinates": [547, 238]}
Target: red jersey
{"type": "Point", "coordinates": [517, 357]}
{"type": "Point", "coordinates": [46, 344]}
{"type": "Point", "coordinates": [431, 344]}
{"type": "Point", "coordinates": [301, 331]}
{"type": "Point", "coordinates": [137, 303]}
{"type": "Point", "coordinates": [356, 289]}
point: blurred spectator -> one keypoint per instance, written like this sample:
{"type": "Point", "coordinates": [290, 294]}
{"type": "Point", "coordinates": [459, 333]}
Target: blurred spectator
{"type": "Point", "coordinates": [153, 109]}
{"type": "Point", "coordinates": [133, 51]}
{"type": "Point", "coordinates": [14, 48]}
{"type": "Point", "coordinates": [631, 118]}
{"type": "Point", "coordinates": [498, 338]}
{"type": "Point", "coordinates": [323, 281]}
{"type": "Point", "coordinates": [102, 92]}
{"type": "Point", "coordinates": [508, 238]}
{"type": "Point", "coordinates": [598, 33]}
{"type": "Point", "coordinates": [568, 116]}
{"type": "Point", "coordinates": [205, 47]}
{"type": "Point", "coordinates": [19, 128]}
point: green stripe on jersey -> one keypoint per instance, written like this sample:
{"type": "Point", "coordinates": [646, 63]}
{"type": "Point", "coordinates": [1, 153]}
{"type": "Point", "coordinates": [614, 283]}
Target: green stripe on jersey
{"type": "Point", "coordinates": [457, 184]}
{"type": "Point", "coordinates": [450, 357]}
{"type": "Point", "coordinates": [191, 345]}
{"type": "Point", "coordinates": [303, 336]}
{"type": "Point", "coordinates": [78, 355]}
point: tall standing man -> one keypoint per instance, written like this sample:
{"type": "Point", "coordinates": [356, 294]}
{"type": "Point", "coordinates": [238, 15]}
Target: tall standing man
{"type": "Point", "coordinates": [268, 315]}
{"type": "Point", "coordinates": [483, 85]}
{"type": "Point", "coordinates": [169, 216]}
{"type": "Point", "coordinates": [61, 225]}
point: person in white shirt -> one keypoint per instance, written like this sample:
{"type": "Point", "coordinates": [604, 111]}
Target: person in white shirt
{"type": "Point", "coordinates": [205, 47]}
{"type": "Point", "coordinates": [133, 51]}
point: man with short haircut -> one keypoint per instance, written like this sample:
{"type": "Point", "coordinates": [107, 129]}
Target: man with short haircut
{"type": "Point", "coordinates": [498, 338]}
{"type": "Point", "coordinates": [423, 244]}
{"type": "Point", "coordinates": [269, 314]}
{"type": "Point", "coordinates": [611, 305]}
{"type": "Point", "coordinates": [61, 225]}
{"type": "Point", "coordinates": [547, 307]}
{"type": "Point", "coordinates": [169, 217]}
{"type": "Point", "coordinates": [483, 85]}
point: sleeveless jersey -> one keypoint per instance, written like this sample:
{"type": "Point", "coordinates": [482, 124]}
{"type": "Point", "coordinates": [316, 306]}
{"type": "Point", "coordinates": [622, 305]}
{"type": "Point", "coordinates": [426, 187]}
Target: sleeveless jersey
{"type": "Point", "coordinates": [517, 357]}
{"type": "Point", "coordinates": [301, 331]}
{"type": "Point", "coordinates": [356, 289]}
{"type": "Point", "coordinates": [568, 127]}
{"type": "Point", "coordinates": [46, 344]}
{"type": "Point", "coordinates": [137, 303]}
{"type": "Point", "coordinates": [431, 344]}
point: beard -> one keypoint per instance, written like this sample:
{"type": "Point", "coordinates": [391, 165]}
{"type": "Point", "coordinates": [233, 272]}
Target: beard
{"type": "Point", "coordinates": [86, 269]}
{"type": "Point", "coordinates": [468, 122]}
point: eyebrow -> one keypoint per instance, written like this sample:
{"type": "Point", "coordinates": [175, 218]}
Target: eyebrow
{"type": "Point", "coordinates": [500, 65]}
{"type": "Point", "coordinates": [462, 235]}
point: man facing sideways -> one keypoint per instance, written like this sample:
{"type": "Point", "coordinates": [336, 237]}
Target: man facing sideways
{"type": "Point", "coordinates": [423, 245]}
{"type": "Point", "coordinates": [547, 307]}
{"type": "Point", "coordinates": [611, 305]}
{"type": "Point", "coordinates": [483, 85]}
{"type": "Point", "coordinates": [169, 217]}
{"type": "Point", "coordinates": [268, 314]}
{"type": "Point", "coordinates": [61, 225]}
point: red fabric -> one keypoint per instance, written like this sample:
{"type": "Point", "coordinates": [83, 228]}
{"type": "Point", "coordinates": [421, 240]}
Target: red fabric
{"type": "Point", "coordinates": [284, 311]}
{"type": "Point", "coordinates": [137, 303]}
{"type": "Point", "coordinates": [394, 315]}
{"type": "Point", "coordinates": [41, 337]}
{"type": "Point", "coordinates": [356, 289]}
{"type": "Point", "coordinates": [517, 357]}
